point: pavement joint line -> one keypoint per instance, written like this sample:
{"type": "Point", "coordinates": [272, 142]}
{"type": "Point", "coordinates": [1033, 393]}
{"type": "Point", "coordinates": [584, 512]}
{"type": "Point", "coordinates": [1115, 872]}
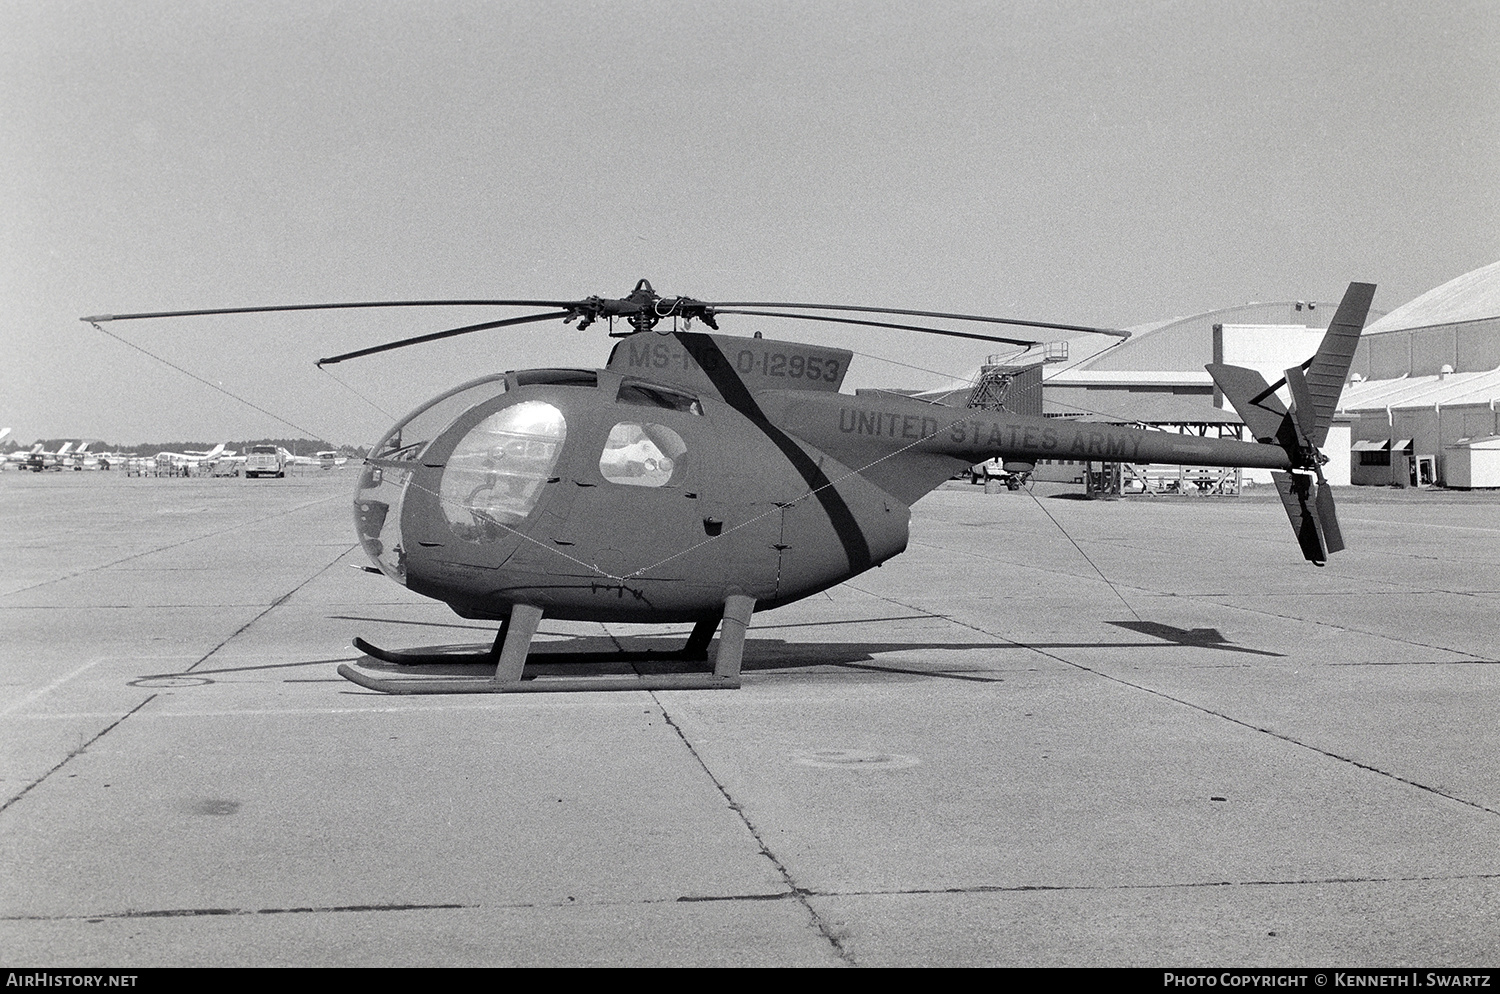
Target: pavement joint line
{"type": "Point", "coordinates": [1398, 588]}
{"type": "Point", "coordinates": [176, 605]}
{"type": "Point", "coordinates": [66, 759]}
{"type": "Point", "coordinates": [1423, 662]}
{"type": "Point", "coordinates": [213, 912]}
{"type": "Point", "coordinates": [1178, 885]}
{"type": "Point", "coordinates": [171, 545]}
{"type": "Point", "coordinates": [502, 703]}
{"type": "Point", "coordinates": [1227, 717]}
{"type": "Point", "coordinates": [756, 897]}
{"type": "Point", "coordinates": [793, 890]}
{"type": "Point", "coordinates": [1421, 524]}
{"type": "Point", "coordinates": [1397, 591]}
{"type": "Point", "coordinates": [273, 606]}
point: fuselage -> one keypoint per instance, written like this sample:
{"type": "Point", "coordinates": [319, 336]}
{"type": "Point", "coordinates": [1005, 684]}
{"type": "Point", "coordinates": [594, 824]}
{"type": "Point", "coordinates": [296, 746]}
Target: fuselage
{"type": "Point", "coordinates": [692, 467]}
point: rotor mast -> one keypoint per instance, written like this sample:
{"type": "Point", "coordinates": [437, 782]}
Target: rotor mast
{"type": "Point", "coordinates": [643, 308]}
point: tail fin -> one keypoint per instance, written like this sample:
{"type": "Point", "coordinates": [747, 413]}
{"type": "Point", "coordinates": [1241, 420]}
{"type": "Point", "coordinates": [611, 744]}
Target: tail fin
{"type": "Point", "coordinates": [1329, 367]}
{"type": "Point", "coordinates": [1315, 387]}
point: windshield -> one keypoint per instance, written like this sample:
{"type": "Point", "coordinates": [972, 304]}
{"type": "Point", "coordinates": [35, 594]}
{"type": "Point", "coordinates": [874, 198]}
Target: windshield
{"type": "Point", "coordinates": [409, 438]}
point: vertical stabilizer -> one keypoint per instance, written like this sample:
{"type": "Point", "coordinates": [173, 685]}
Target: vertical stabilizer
{"type": "Point", "coordinates": [1329, 368]}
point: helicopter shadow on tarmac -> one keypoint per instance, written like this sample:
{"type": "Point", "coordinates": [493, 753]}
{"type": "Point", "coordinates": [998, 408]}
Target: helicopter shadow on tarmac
{"type": "Point", "coordinates": [625, 655]}
{"type": "Point", "coordinates": [636, 655]}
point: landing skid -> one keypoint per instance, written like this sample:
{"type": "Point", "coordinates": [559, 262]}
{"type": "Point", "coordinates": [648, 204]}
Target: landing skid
{"type": "Point", "coordinates": [511, 653]}
{"type": "Point", "coordinates": [401, 657]}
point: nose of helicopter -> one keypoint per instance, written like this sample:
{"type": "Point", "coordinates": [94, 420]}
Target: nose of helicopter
{"type": "Point", "coordinates": [470, 466]}
{"type": "Point", "coordinates": [380, 493]}
{"type": "Point", "coordinates": [377, 517]}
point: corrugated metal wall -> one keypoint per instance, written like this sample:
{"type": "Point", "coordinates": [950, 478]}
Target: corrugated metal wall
{"type": "Point", "coordinates": [1473, 347]}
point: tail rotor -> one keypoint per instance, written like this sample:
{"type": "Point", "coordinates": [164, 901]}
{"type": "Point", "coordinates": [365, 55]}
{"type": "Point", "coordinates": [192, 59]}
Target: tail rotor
{"type": "Point", "coordinates": [1315, 387]}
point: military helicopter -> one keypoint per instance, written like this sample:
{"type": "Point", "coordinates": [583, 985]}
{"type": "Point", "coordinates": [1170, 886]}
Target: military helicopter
{"type": "Point", "coordinates": [699, 477]}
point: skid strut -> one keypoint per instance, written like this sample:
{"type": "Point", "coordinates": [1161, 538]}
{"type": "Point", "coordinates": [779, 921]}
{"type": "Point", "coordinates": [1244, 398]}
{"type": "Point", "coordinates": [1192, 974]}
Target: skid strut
{"type": "Point", "coordinates": [512, 647]}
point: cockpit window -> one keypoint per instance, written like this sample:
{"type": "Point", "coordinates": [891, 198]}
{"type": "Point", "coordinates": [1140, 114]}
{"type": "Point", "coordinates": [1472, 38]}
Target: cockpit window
{"type": "Point", "coordinates": [406, 441]}
{"type": "Point", "coordinates": [496, 474]}
{"type": "Point", "coordinates": [650, 395]}
{"type": "Point", "coordinates": [641, 455]}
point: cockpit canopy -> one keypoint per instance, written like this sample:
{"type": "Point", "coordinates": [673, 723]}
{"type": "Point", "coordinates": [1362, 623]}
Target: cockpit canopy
{"type": "Point", "coordinates": [388, 468]}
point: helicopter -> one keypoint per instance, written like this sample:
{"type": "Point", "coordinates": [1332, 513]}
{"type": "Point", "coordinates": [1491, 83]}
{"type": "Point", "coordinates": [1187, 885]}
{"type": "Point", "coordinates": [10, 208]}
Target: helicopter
{"type": "Point", "coordinates": [699, 477]}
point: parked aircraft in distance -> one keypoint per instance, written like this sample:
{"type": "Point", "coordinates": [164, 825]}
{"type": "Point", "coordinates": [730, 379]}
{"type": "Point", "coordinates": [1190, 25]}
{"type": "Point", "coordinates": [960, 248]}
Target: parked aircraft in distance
{"type": "Point", "coordinates": [19, 457]}
{"type": "Point", "coordinates": [326, 459]}
{"type": "Point", "coordinates": [39, 459]}
{"type": "Point", "coordinates": [192, 457]}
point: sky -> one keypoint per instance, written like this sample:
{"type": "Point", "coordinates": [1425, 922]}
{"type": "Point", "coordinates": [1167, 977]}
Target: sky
{"type": "Point", "coordinates": [1103, 163]}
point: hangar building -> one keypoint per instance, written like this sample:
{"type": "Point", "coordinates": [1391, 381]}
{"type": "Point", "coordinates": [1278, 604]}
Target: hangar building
{"type": "Point", "coordinates": [1426, 387]}
{"type": "Point", "coordinates": [1156, 378]}
{"type": "Point", "coordinates": [1425, 380]}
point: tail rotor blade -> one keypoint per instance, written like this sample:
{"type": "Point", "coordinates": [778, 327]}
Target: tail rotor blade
{"type": "Point", "coordinates": [1304, 413]}
{"type": "Point", "coordinates": [1297, 497]}
{"type": "Point", "coordinates": [1333, 538]}
{"type": "Point", "coordinates": [1315, 387]}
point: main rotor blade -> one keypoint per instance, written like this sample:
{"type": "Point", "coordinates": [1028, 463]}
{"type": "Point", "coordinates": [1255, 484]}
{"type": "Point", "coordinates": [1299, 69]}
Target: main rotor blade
{"type": "Point", "coordinates": [527, 319]}
{"type": "Point", "coordinates": [716, 306]}
{"type": "Point", "coordinates": [336, 307]}
{"type": "Point", "coordinates": [884, 324]}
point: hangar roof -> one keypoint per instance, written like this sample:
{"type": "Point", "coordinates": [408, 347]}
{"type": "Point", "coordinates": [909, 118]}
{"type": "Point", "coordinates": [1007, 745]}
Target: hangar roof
{"type": "Point", "coordinates": [1422, 391]}
{"type": "Point", "coordinates": [1473, 296]}
{"type": "Point", "coordinates": [1187, 343]}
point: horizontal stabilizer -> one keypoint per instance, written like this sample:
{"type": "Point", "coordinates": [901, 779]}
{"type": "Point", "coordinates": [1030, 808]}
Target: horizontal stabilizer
{"type": "Point", "coordinates": [1256, 403]}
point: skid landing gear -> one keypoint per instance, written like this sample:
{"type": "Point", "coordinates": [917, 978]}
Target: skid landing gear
{"type": "Point", "coordinates": [511, 652]}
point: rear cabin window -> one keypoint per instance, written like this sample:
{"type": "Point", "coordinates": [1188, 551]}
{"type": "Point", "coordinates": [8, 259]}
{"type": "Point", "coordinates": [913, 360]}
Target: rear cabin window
{"type": "Point", "coordinates": [641, 455]}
